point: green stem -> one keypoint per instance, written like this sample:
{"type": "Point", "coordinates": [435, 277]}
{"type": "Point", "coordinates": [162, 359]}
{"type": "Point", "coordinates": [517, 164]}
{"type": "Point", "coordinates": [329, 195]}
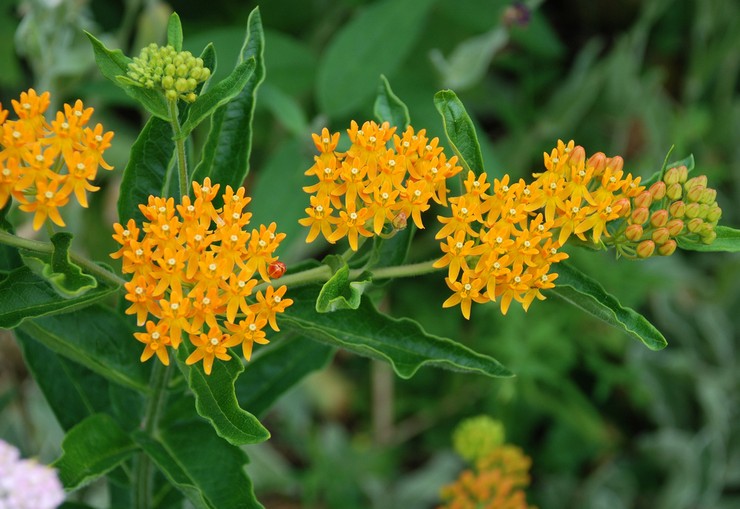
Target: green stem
{"type": "Point", "coordinates": [38, 246]}
{"type": "Point", "coordinates": [142, 487]}
{"type": "Point", "coordinates": [182, 163]}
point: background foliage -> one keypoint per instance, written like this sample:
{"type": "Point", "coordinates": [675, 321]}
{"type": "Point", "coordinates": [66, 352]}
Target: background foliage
{"type": "Point", "coordinates": [607, 422]}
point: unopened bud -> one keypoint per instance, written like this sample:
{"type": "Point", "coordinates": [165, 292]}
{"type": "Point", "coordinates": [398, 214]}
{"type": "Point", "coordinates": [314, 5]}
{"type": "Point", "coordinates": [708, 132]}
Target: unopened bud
{"type": "Point", "coordinates": [709, 237]}
{"type": "Point", "coordinates": [714, 214]}
{"type": "Point", "coordinates": [677, 209]}
{"type": "Point", "coordinates": [700, 180]}
{"type": "Point", "coordinates": [694, 193]}
{"type": "Point", "coordinates": [622, 206]}
{"type": "Point", "coordinates": [657, 190]}
{"type": "Point", "coordinates": [708, 196]}
{"type": "Point", "coordinates": [671, 176]}
{"type": "Point", "coordinates": [633, 232]}
{"type": "Point", "coordinates": [400, 221]}
{"type": "Point", "coordinates": [577, 155]}
{"type": "Point", "coordinates": [616, 163]}
{"type": "Point", "coordinates": [597, 162]}
{"type": "Point", "coordinates": [645, 249]}
{"type": "Point", "coordinates": [692, 210]}
{"type": "Point", "coordinates": [644, 199]}
{"type": "Point", "coordinates": [659, 218]}
{"type": "Point", "coordinates": [640, 215]}
{"type": "Point", "coordinates": [683, 174]}
{"type": "Point", "coordinates": [674, 191]}
{"type": "Point", "coordinates": [661, 236]}
{"type": "Point", "coordinates": [668, 248]}
{"type": "Point", "coordinates": [675, 227]}
{"type": "Point", "coordinates": [703, 210]}
{"type": "Point", "coordinates": [694, 224]}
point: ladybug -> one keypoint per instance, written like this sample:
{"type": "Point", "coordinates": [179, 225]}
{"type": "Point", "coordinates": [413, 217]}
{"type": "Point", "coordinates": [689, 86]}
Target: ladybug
{"type": "Point", "coordinates": [276, 269]}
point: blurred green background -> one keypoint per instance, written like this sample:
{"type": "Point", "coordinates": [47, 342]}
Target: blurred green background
{"type": "Point", "coordinates": [608, 423]}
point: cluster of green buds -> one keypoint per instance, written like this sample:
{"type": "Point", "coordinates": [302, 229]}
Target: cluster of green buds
{"type": "Point", "coordinates": [477, 437]}
{"type": "Point", "coordinates": [676, 207]}
{"type": "Point", "coordinates": [178, 73]}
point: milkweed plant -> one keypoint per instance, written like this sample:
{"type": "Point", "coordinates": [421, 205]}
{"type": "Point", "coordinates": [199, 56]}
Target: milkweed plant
{"type": "Point", "coordinates": [160, 349]}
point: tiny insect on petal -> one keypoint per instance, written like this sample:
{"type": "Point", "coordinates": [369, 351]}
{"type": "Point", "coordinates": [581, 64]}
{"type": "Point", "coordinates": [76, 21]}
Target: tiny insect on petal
{"type": "Point", "coordinates": [276, 269]}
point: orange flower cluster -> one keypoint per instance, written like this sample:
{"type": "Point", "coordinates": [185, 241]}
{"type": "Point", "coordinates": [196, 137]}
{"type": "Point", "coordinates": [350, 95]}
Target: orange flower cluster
{"type": "Point", "coordinates": [497, 481]}
{"type": "Point", "coordinates": [35, 153]}
{"type": "Point", "coordinates": [501, 242]}
{"type": "Point", "coordinates": [361, 190]}
{"type": "Point", "coordinates": [195, 269]}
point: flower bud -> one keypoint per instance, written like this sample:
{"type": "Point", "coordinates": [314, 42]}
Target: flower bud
{"type": "Point", "coordinates": [700, 180]}
{"type": "Point", "coordinates": [597, 162]}
{"type": "Point", "coordinates": [683, 174]}
{"type": "Point", "coordinates": [171, 94]}
{"type": "Point", "coordinates": [705, 228]}
{"type": "Point", "coordinates": [659, 218]}
{"type": "Point", "coordinates": [668, 248]}
{"type": "Point", "coordinates": [657, 190]}
{"type": "Point", "coordinates": [694, 224]}
{"type": "Point", "coordinates": [633, 232]}
{"type": "Point", "coordinates": [643, 199]}
{"type": "Point", "coordinates": [400, 221]}
{"type": "Point", "coordinates": [168, 82]}
{"type": "Point", "coordinates": [674, 191]}
{"type": "Point", "coordinates": [577, 155]}
{"type": "Point", "coordinates": [616, 163]}
{"type": "Point", "coordinates": [708, 196]}
{"type": "Point", "coordinates": [709, 237]}
{"type": "Point", "coordinates": [671, 176]}
{"type": "Point", "coordinates": [640, 215]}
{"type": "Point", "coordinates": [694, 193]}
{"type": "Point", "coordinates": [703, 210]}
{"type": "Point", "coordinates": [622, 206]}
{"type": "Point", "coordinates": [661, 236]}
{"type": "Point", "coordinates": [692, 210]}
{"type": "Point", "coordinates": [677, 209]}
{"type": "Point", "coordinates": [645, 249]}
{"type": "Point", "coordinates": [675, 227]}
{"type": "Point", "coordinates": [714, 214]}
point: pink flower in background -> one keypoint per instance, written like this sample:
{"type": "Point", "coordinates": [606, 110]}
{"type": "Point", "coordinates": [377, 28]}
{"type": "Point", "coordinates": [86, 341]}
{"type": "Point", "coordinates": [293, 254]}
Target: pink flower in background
{"type": "Point", "coordinates": [26, 484]}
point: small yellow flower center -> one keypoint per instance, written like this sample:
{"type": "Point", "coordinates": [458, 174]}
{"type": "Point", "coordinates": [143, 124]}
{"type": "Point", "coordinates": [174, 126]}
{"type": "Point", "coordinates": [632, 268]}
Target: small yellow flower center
{"type": "Point", "coordinates": [467, 287]}
{"type": "Point", "coordinates": [48, 195]}
{"type": "Point", "coordinates": [98, 138]}
{"type": "Point", "coordinates": [155, 336]}
{"type": "Point", "coordinates": [499, 240]}
{"type": "Point", "coordinates": [139, 252]}
{"type": "Point", "coordinates": [206, 301]}
{"type": "Point", "coordinates": [576, 209]}
{"type": "Point", "coordinates": [372, 139]}
{"type": "Point", "coordinates": [326, 140]}
{"type": "Point", "coordinates": [174, 306]}
{"type": "Point", "coordinates": [319, 208]}
{"type": "Point", "coordinates": [353, 216]}
{"type": "Point", "coordinates": [235, 215]}
{"type": "Point", "coordinates": [214, 341]}
{"type": "Point", "coordinates": [544, 278]}
{"type": "Point", "coordinates": [39, 158]}
{"type": "Point", "coordinates": [277, 299]}
{"type": "Point", "coordinates": [527, 243]}
{"type": "Point", "coordinates": [26, 106]}
{"type": "Point", "coordinates": [234, 238]}
{"type": "Point", "coordinates": [517, 279]}
{"type": "Point", "coordinates": [505, 189]}
{"type": "Point", "coordinates": [212, 267]}
{"type": "Point", "coordinates": [162, 210]}
{"type": "Point", "coordinates": [171, 261]}
{"type": "Point", "coordinates": [459, 245]}
{"type": "Point", "coordinates": [252, 327]}
{"type": "Point", "coordinates": [198, 237]}
{"type": "Point", "coordinates": [165, 227]}
{"type": "Point", "coordinates": [262, 243]}
{"type": "Point", "coordinates": [496, 265]}
{"type": "Point", "coordinates": [553, 186]}
{"type": "Point", "coordinates": [17, 134]}
{"type": "Point", "coordinates": [205, 189]}
{"type": "Point", "coordinates": [541, 227]}
{"type": "Point", "coordinates": [555, 160]}
{"type": "Point", "coordinates": [242, 284]}
{"type": "Point", "coordinates": [65, 125]}
{"type": "Point", "coordinates": [138, 290]}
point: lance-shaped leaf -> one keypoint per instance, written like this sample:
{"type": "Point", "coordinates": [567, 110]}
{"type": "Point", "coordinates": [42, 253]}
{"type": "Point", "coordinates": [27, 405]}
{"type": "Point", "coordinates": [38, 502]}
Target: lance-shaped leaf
{"type": "Point", "coordinates": [174, 32]}
{"type": "Point", "coordinates": [25, 295]}
{"type": "Point", "coordinates": [389, 108]}
{"type": "Point", "coordinates": [281, 367]}
{"type": "Point", "coordinates": [113, 64]}
{"type": "Point", "coordinates": [10, 259]}
{"type": "Point", "coordinates": [72, 391]}
{"type": "Point", "coordinates": [218, 95]}
{"type": "Point", "coordinates": [205, 468]}
{"type": "Point", "coordinates": [587, 294]}
{"type": "Point", "coordinates": [728, 240]}
{"type": "Point", "coordinates": [401, 342]}
{"type": "Point", "coordinates": [460, 130]}
{"type": "Point", "coordinates": [339, 292]}
{"type": "Point", "coordinates": [146, 171]}
{"type": "Point", "coordinates": [64, 276]}
{"type": "Point", "coordinates": [215, 400]}
{"type": "Point", "coordinates": [91, 449]}
{"type": "Point", "coordinates": [226, 151]}
{"type": "Point", "coordinates": [99, 339]}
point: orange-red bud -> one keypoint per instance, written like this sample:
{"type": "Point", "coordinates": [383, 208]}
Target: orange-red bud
{"type": "Point", "coordinates": [671, 176]}
{"type": "Point", "coordinates": [640, 215]}
{"type": "Point", "coordinates": [645, 249]}
{"type": "Point", "coordinates": [616, 163]}
{"type": "Point", "coordinates": [659, 218]}
{"type": "Point", "coordinates": [668, 248]}
{"type": "Point", "coordinates": [675, 227]}
{"type": "Point", "coordinates": [677, 209]}
{"type": "Point", "coordinates": [674, 191]}
{"type": "Point", "coordinates": [644, 199]}
{"type": "Point", "coordinates": [577, 155]}
{"type": "Point", "coordinates": [633, 232]}
{"type": "Point", "coordinates": [694, 224]}
{"type": "Point", "coordinates": [661, 236]}
{"type": "Point", "coordinates": [623, 206]}
{"type": "Point", "coordinates": [598, 162]}
{"type": "Point", "coordinates": [657, 190]}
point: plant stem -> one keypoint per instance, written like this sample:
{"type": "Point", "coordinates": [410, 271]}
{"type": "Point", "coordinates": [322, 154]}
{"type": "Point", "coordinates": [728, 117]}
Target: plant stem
{"type": "Point", "coordinates": [142, 487]}
{"type": "Point", "coordinates": [47, 247]}
{"type": "Point", "coordinates": [182, 163]}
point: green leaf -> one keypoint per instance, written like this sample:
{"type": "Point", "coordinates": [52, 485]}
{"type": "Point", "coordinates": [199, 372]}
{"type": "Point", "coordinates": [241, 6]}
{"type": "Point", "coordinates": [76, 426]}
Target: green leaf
{"type": "Point", "coordinates": [459, 130]}
{"type": "Point", "coordinates": [728, 240]}
{"type": "Point", "coordinates": [587, 294]}
{"type": "Point", "coordinates": [91, 449]}
{"type": "Point", "coordinates": [389, 108]}
{"type": "Point", "coordinates": [151, 99]}
{"type": "Point", "coordinates": [25, 295]}
{"type": "Point", "coordinates": [402, 342]}
{"type": "Point", "coordinates": [72, 391]}
{"type": "Point", "coordinates": [99, 339]}
{"type": "Point", "coordinates": [339, 292]}
{"type": "Point", "coordinates": [286, 109]}
{"type": "Point", "coordinates": [215, 400]}
{"type": "Point", "coordinates": [112, 63]}
{"type": "Point", "coordinates": [174, 32]}
{"type": "Point", "coordinates": [215, 97]}
{"type": "Point", "coordinates": [282, 366]}
{"type": "Point", "coordinates": [146, 170]}
{"type": "Point", "coordinates": [658, 175]}
{"type": "Point", "coordinates": [10, 259]}
{"type": "Point", "coordinates": [205, 468]}
{"type": "Point", "coordinates": [63, 275]}
{"type": "Point", "coordinates": [374, 42]}
{"type": "Point", "coordinates": [225, 157]}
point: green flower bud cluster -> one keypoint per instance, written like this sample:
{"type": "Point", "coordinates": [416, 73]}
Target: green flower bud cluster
{"type": "Point", "coordinates": [672, 208]}
{"type": "Point", "coordinates": [477, 437]}
{"type": "Point", "coordinates": [178, 73]}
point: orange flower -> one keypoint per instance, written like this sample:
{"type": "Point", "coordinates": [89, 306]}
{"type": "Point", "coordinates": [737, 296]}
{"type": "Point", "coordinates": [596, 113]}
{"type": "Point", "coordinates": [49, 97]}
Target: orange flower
{"type": "Point", "coordinates": [209, 347]}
